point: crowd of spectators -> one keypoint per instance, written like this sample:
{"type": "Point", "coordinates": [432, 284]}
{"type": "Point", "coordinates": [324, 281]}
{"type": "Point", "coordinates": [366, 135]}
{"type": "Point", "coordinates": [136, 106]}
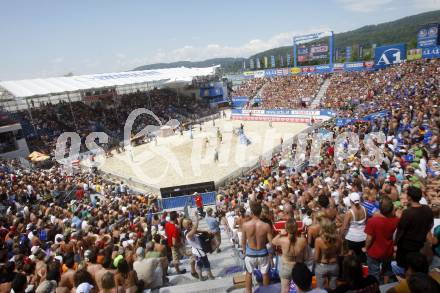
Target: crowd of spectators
{"type": "Point", "coordinates": [354, 228]}
{"type": "Point", "coordinates": [354, 93]}
{"type": "Point", "coordinates": [75, 233]}
{"type": "Point", "coordinates": [49, 120]}
{"type": "Point", "coordinates": [249, 88]}
{"type": "Point", "coordinates": [290, 92]}
{"type": "Point", "coordinates": [383, 218]}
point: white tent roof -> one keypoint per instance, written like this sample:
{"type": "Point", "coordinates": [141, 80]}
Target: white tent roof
{"type": "Point", "coordinates": [56, 85]}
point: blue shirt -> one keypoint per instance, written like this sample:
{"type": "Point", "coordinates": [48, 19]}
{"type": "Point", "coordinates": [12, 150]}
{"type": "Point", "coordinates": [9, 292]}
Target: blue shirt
{"type": "Point", "coordinates": [43, 235]}
{"type": "Point", "coordinates": [213, 225]}
{"type": "Point", "coordinates": [371, 207]}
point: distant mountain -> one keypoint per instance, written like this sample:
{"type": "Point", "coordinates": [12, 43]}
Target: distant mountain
{"type": "Point", "coordinates": [403, 30]}
{"type": "Point", "coordinates": [228, 64]}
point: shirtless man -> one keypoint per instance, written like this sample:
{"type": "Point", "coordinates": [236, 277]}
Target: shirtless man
{"type": "Point", "coordinates": [256, 235]}
{"type": "Point", "coordinates": [67, 277]}
{"type": "Point", "coordinates": [92, 266]}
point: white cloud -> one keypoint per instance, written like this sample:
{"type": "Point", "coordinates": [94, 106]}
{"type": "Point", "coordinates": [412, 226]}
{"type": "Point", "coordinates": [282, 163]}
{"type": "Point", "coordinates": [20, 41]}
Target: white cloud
{"type": "Point", "coordinates": [196, 53]}
{"type": "Point", "coordinates": [363, 5]}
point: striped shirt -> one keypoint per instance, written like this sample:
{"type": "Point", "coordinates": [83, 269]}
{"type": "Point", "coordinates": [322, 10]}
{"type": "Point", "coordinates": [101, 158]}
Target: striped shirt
{"type": "Point", "coordinates": [371, 207]}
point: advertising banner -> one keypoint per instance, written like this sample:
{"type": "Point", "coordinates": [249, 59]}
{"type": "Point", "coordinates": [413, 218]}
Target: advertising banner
{"type": "Point", "coordinates": [249, 73]}
{"type": "Point", "coordinates": [282, 71]}
{"type": "Point", "coordinates": [308, 69]}
{"type": "Point", "coordinates": [299, 116]}
{"type": "Point", "coordinates": [259, 73]}
{"type": "Point", "coordinates": [303, 50]}
{"type": "Point", "coordinates": [338, 67]}
{"type": "Point", "coordinates": [295, 70]}
{"type": "Point", "coordinates": [369, 64]}
{"type": "Point", "coordinates": [428, 36]}
{"type": "Point", "coordinates": [388, 55]}
{"type": "Point", "coordinates": [431, 52]}
{"type": "Point", "coordinates": [354, 66]}
{"type": "Point", "coordinates": [414, 54]}
{"type": "Point", "coordinates": [319, 49]}
{"type": "Point", "coordinates": [303, 54]}
{"type": "Point", "coordinates": [270, 72]}
{"type": "Point", "coordinates": [319, 52]}
{"type": "Point", "coordinates": [347, 53]}
{"type": "Point", "coordinates": [322, 68]}
{"type": "Point", "coordinates": [211, 92]}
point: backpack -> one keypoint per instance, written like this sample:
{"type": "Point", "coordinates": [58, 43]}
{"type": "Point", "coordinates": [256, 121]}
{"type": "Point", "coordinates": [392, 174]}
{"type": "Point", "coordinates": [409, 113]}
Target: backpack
{"type": "Point", "coordinates": [205, 242]}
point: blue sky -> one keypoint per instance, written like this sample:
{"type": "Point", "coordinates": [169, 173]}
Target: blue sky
{"type": "Point", "coordinates": [42, 38]}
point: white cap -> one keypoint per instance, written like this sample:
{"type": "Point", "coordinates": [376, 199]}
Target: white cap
{"type": "Point", "coordinates": [34, 249]}
{"type": "Point", "coordinates": [59, 258]}
{"type": "Point", "coordinates": [84, 288]}
{"type": "Point", "coordinates": [354, 197]}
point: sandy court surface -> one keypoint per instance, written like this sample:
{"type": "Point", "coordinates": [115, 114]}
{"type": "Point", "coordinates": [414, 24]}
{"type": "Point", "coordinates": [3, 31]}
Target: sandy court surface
{"type": "Point", "coordinates": [180, 160]}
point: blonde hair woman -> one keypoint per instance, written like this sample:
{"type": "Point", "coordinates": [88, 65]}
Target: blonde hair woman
{"type": "Point", "coordinates": [327, 247]}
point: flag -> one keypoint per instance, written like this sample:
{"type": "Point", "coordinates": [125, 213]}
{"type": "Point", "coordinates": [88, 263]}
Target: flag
{"type": "Point", "coordinates": [265, 61]}
{"type": "Point", "coordinates": [251, 63]}
{"type": "Point", "coordinates": [288, 60]}
{"type": "Point", "coordinates": [347, 53]}
{"type": "Point", "coordinates": [281, 61]}
{"type": "Point", "coordinates": [258, 63]}
{"type": "Point", "coordinates": [272, 61]}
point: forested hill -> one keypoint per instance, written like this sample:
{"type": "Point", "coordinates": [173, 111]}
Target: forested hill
{"type": "Point", "coordinates": [398, 31]}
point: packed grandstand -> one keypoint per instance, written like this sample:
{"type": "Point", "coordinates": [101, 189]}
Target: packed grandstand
{"type": "Point", "coordinates": [294, 228]}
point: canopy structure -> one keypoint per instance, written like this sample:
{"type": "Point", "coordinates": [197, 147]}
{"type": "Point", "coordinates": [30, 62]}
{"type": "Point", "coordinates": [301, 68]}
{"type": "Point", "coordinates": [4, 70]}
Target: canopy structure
{"type": "Point", "coordinates": [23, 89]}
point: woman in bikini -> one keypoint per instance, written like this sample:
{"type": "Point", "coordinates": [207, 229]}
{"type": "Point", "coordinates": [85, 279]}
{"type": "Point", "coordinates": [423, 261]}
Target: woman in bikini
{"type": "Point", "coordinates": [294, 249]}
{"type": "Point", "coordinates": [327, 248]}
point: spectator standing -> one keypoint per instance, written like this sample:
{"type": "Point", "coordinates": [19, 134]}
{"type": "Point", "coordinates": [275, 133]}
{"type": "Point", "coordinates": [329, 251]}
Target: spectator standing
{"type": "Point", "coordinates": [354, 226]}
{"type": "Point", "coordinates": [174, 241]}
{"type": "Point", "coordinates": [379, 244]}
{"type": "Point", "coordinates": [148, 270]}
{"type": "Point", "coordinates": [256, 236]}
{"type": "Point", "coordinates": [294, 250]}
{"type": "Point", "coordinates": [202, 261]}
{"type": "Point", "coordinates": [199, 203]}
{"type": "Point", "coordinates": [327, 248]}
{"type": "Point", "coordinates": [214, 228]}
{"type": "Point", "coordinates": [414, 225]}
